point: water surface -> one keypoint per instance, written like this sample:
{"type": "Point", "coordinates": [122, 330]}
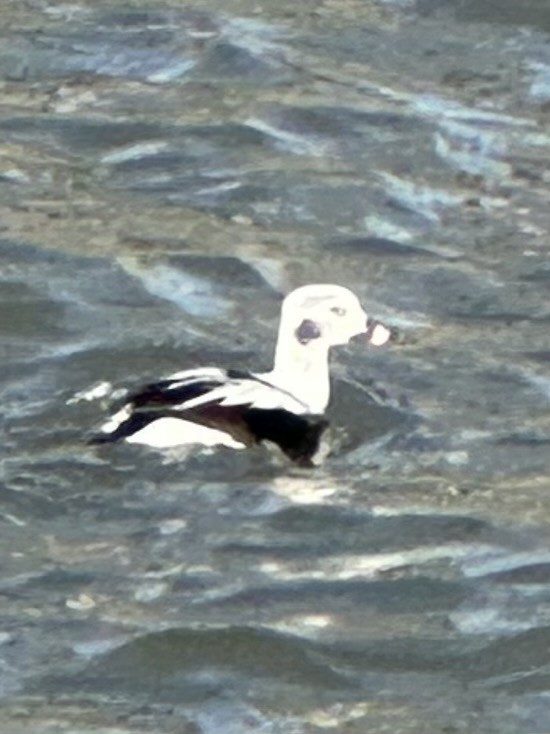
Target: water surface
{"type": "Point", "coordinates": [167, 174]}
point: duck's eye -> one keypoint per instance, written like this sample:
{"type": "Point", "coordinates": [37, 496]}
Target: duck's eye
{"type": "Point", "coordinates": [338, 311]}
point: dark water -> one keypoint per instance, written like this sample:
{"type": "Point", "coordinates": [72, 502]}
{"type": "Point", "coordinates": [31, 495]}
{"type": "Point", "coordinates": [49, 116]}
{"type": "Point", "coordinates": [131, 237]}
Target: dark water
{"type": "Point", "coordinates": [167, 173]}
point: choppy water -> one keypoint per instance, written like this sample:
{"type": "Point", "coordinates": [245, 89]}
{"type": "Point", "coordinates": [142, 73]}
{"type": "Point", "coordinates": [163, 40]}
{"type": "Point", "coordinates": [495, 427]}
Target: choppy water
{"type": "Point", "coordinates": [166, 174]}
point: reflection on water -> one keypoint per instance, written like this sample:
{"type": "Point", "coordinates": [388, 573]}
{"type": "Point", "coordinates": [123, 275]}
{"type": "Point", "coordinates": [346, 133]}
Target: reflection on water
{"type": "Point", "coordinates": [168, 174]}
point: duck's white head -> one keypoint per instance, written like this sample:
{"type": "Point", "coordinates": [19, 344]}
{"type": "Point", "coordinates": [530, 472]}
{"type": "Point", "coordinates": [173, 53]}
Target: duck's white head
{"type": "Point", "coordinates": [325, 315]}
{"type": "Point", "coordinates": [313, 319]}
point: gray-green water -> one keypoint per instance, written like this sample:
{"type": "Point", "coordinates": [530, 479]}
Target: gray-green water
{"type": "Point", "coordinates": [167, 173]}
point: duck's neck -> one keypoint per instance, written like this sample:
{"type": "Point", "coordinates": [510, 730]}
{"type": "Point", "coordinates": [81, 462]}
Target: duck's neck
{"type": "Point", "coordinates": [303, 371]}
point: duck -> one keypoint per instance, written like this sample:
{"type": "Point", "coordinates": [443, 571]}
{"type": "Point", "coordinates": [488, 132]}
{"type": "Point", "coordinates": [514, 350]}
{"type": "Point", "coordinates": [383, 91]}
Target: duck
{"type": "Point", "coordinates": [286, 406]}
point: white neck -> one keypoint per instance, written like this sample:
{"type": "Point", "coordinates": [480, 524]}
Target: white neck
{"type": "Point", "coordinates": [302, 370]}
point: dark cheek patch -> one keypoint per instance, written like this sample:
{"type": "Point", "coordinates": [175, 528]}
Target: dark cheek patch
{"type": "Point", "coordinates": [307, 331]}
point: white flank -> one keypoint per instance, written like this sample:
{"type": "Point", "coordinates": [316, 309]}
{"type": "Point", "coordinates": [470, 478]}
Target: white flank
{"type": "Point", "coordinates": [169, 432]}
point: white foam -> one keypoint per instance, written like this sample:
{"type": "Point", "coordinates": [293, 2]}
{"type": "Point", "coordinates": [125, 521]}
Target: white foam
{"type": "Point", "coordinates": [380, 335]}
{"type": "Point", "coordinates": [116, 420]}
{"type": "Point", "coordinates": [100, 390]}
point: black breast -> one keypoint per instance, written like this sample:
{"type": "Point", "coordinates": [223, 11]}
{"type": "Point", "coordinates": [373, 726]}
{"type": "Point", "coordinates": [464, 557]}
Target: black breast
{"type": "Point", "coordinates": [298, 436]}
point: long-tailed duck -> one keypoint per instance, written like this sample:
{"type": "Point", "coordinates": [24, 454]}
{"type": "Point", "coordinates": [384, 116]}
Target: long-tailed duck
{"type": "Point", "coordinates": [212, 406]}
